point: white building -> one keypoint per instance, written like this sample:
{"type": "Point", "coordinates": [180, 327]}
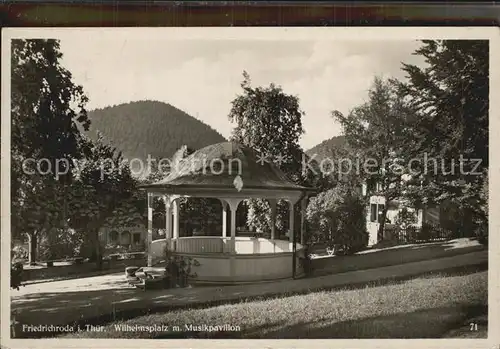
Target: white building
{"type": "Point", "coordinates": [377, 205]}
{"type": "Point", "coordinates": [128, 236]}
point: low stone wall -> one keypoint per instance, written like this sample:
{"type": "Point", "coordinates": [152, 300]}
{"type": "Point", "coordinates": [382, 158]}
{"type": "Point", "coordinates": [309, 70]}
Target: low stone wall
{"type": "Point", "coordinates": [79, 269]}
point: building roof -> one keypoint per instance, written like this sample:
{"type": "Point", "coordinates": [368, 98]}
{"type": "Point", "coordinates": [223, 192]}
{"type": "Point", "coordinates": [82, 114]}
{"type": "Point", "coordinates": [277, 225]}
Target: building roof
{"type": "Point", "coordinates": [217, 166]}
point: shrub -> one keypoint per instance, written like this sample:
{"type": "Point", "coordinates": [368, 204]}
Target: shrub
{"type": "Point", "coordinates": [60, 244]}
{"type": "Point", "coordinates": [16, 275]}
{"type": "Point", "coordinates": [482, 217]}
{"type": "Point", "coordinates": [19, 253]}
{"type": "Point", "coordinates": [460, 219]}
{"type": "Point", "coordinates": [259, 216]}
{"type": "Point", "coordinates": [111, 249]}
{"type": "Point", "coordinates": [305, 261]}
{"type": "Point", "coordinates": [338, 217]}
{"type": "Point", "coordinates": [481, 234]}
{"type": "Point", "coordinates": [131, 255]}
{"type": "Point", "coordinates": [405, 229]}
{"type": "Point", "coordinates": [141, 247]}
{"type": "Point", "coordinates": [179, 268]}
{"type": "Point", "coordinates": [200, 212]}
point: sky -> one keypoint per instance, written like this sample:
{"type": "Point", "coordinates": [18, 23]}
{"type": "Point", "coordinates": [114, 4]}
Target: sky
{"type": "Point", "coordinates": [202, 76]}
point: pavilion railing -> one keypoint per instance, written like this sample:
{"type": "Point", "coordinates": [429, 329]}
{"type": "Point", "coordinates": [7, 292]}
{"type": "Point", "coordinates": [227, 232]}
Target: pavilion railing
{"type": "Point", "coordinates": [202, 244]}
{"type": "Point", "coordinates": [243, 245]}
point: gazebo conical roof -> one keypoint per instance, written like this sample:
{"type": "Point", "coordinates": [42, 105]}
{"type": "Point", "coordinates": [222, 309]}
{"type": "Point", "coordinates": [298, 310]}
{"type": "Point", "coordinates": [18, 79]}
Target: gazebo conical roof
{"type": "Point", "coordinates": [218, 165]}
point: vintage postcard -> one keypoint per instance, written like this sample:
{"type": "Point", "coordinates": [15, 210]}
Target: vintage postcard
{"type": "Point", "coordinates": [199, 187]}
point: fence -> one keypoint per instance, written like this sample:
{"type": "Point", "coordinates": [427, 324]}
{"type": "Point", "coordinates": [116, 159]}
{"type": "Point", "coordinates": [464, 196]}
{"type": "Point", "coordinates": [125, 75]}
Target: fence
{"type": "Point", "coordinates": [426, 233]}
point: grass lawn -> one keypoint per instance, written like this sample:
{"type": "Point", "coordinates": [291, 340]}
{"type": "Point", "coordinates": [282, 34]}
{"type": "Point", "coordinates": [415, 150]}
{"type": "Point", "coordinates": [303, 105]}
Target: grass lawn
{"type": "Point", "coordinates": [395, 255]}
{"type": "Point", "coordinates": [432, 306]}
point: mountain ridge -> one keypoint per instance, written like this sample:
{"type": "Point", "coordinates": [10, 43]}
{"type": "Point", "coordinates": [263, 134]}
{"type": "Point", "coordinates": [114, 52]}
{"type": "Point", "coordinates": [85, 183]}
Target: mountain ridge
{"type": "Point", "coordinates": [150, 128]}
{"type": "Point", "coordinates": [325, 148]}
{"type": "Point", "coordinates": [158, 129]}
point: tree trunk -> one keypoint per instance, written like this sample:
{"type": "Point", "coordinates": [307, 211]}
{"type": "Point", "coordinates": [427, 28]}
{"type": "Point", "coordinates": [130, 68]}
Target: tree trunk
{"type": "Point", "coordinates": [32, 237]}
{"type": "Point", "coordinates": [380, 233]}
{"type": "Point", "coordinates": [97, 253]}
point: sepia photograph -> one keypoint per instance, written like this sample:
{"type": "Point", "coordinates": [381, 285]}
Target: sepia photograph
{"type": "Point", "coordinates": [217, 183]}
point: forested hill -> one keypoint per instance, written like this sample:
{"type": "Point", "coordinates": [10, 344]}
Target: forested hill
{"type": "Point", "coordinates": [150, 127]}
{"type": "Point", "coordinates": [324, 149]}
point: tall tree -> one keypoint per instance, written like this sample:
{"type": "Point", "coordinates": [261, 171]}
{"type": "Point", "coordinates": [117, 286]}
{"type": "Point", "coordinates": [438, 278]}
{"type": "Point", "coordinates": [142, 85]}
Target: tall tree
{"type": "Point", "coordinates": [451, 95]}
{"type": "Point", "coordinates": [377, 131]}
{"type": "Point", "coordinates": [269, 121]}
{"type": "Point", "coordinates": [103, 188]}
{"type": "Point", "coordinates": [338, 218]}
{"type": "Point", "coordinates": [46, 111]}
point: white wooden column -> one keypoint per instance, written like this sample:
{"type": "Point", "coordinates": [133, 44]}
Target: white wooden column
{"type": "Point", "coordinates": [168, 217]}
{"type": "Point", "coordinates": [225, 207]}
{"type": "Point", "coordinates": [233, 205]}
{"type": "Point", "coordinates": [272, 203]}
{"type": "Point", "coordinates": [176, 219]}
{"type": "Point", "coordinates": [150, 228]}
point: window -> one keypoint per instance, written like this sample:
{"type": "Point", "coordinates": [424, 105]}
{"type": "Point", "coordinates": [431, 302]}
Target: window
{"type": "Point", "coordinates": [125, 238]}
{"type": "Point", "coordinates": [137, 238]}
{"type": "Point", "coordinates": [380, 212]}
{"type": "Point", "coordinates": [113, 236]}
{"type": "Point", "coordinates": [373, 213]}
{"type": "Point", "coordinates": [376, 211]}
